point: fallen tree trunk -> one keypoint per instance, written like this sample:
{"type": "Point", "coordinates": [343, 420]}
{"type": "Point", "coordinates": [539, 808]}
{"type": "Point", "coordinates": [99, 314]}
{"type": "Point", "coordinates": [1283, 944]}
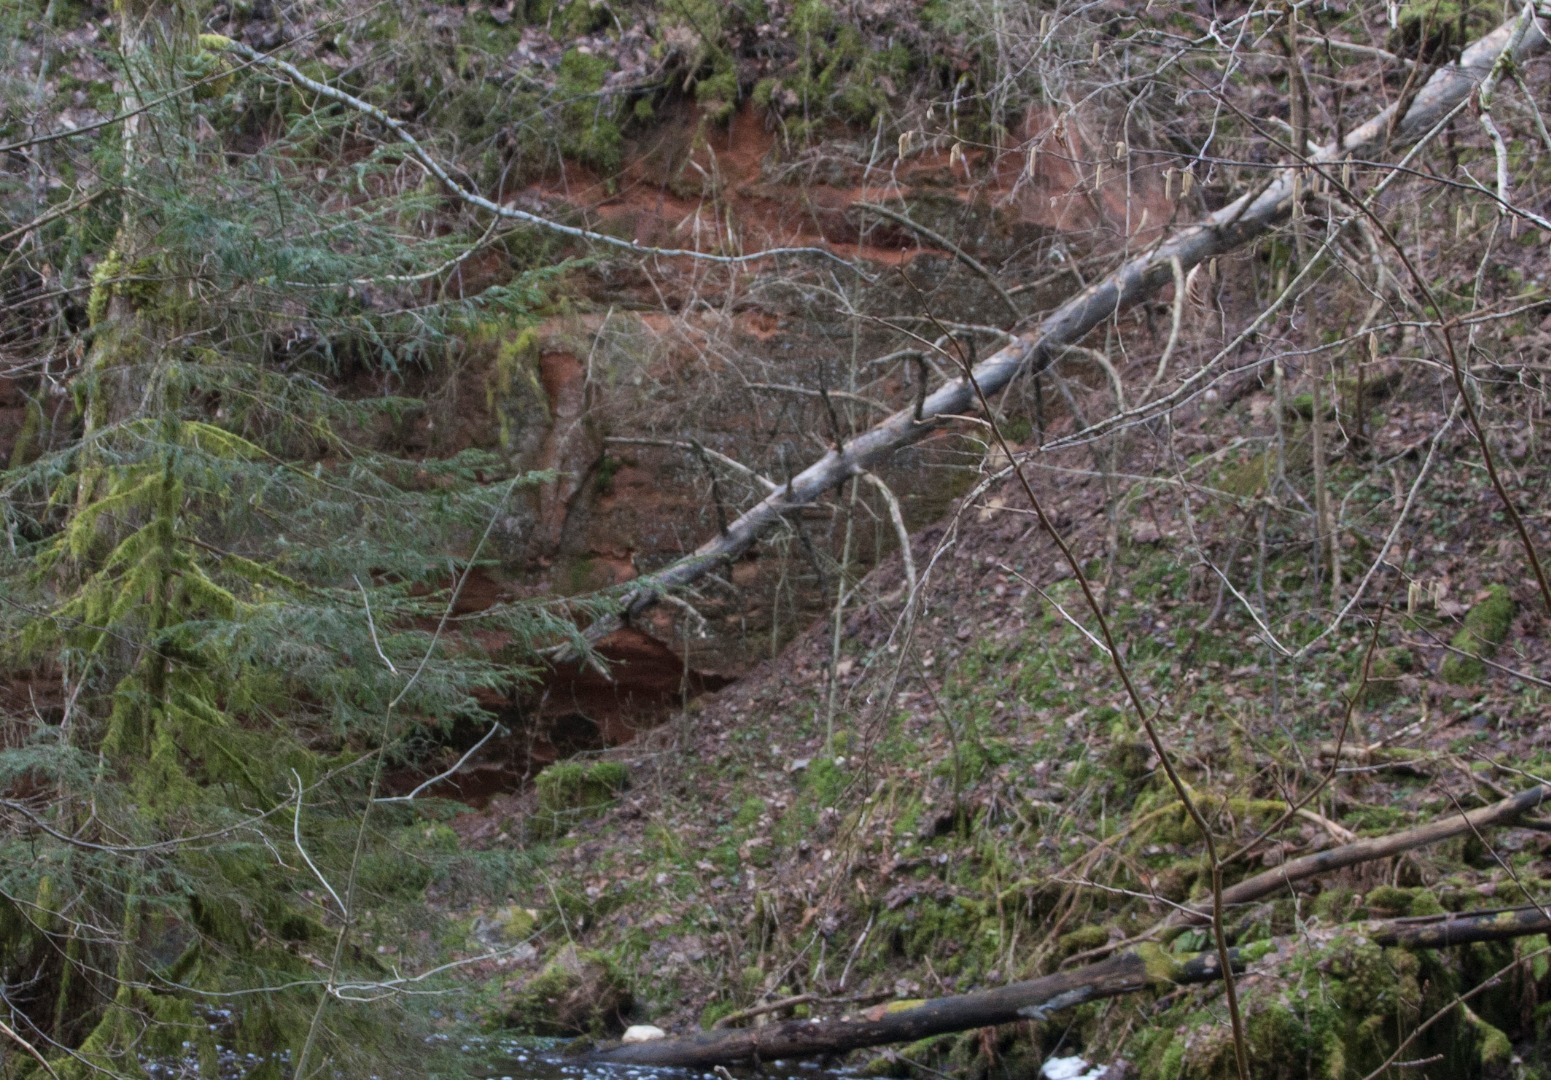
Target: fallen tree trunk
{"type": "Point", "coordinates": [1126, 973]}
{"type": "Point", "coordinates": [1361, 851]}
{"type": "Point", "coordinates": [1249, 216]}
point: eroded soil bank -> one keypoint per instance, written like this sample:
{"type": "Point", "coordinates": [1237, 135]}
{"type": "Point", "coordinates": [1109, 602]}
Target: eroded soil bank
{"type": "Point", "coordinates": [968, 800]}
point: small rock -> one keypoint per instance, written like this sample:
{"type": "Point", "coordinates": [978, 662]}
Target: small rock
{"type": "Point", "coordinates": [507, 925]}
{"type": "Point", "coordinates": [1144, 532]}
{"type": "Point", "coordinates": [1069, 1068]}
{"type": "Point", "coordinates": [640, 1033]}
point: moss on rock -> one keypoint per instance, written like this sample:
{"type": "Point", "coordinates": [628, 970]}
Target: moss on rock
{"type": "Point", "coordinates": [1333, 1010]}
{"type": "Point", "coordinates": [1486, 627]}
{"type": "Point", "coordinates": [1081, 940]}
{"type": "Point", "coordinates": [575, 790]}
{"type": "Point", "coordinates": [576, 993]}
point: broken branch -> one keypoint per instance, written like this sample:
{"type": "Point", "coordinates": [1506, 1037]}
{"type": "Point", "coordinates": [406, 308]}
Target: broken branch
{"type": "Point", "coordinates": [1377, 847]}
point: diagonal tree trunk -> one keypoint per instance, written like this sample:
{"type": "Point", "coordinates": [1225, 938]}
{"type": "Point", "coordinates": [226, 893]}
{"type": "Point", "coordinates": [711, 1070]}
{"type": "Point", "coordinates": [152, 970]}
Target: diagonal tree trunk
{"type": "Point", "coordinates": [1281, 877]}
{"type": "Point", "coordinates": [1251, 215]}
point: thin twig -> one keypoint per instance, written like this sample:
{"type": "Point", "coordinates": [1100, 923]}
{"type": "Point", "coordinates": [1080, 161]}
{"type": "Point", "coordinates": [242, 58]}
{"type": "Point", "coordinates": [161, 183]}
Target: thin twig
{"type": "Point", "coordinates": [897, 517]}
{"type": "Point", "coordinates": [296, 836]}
{"type": "Point", "coordinates": [451, 771]}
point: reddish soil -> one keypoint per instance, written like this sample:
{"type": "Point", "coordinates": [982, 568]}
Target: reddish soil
{"type": "Point", "coordinates": [575, 708]}
{"type": "Point", "coordinates": [720, 193]}
{"type": "Point", "coordinates": [713, 188]}
{"type": "Point", "coordinates": [688, 185]}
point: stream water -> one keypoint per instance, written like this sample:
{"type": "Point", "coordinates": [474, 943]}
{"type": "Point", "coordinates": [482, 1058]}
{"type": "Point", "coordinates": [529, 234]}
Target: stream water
{"type": "Point", "coordinates": [492, 1058]}
{"type": "Point", "coordinates": [527, 1062]}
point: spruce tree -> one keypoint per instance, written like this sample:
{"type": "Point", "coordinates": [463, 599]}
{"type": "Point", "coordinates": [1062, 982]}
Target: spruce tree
{"type": "Point", "coordinates": [226, 595]}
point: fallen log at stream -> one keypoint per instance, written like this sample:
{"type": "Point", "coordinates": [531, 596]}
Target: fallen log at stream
{"type": "Point", "coordinates": [1147, 967]}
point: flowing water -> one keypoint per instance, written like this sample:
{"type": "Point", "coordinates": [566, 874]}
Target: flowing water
{"type": "Point", "coordinates": [491, 1057]}
{"type": "Point", "coordinates": [525, 1061]}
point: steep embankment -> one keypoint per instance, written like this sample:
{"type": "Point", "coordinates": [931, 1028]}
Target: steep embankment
{"type": "Point", "coordinates": [604, 397]}
{"type": "Point", "coordinates": [971, 801]}
{"type": "Point", "coordinates": [902, 805]}
{"type": "Point", "coordinates": [914, 791]}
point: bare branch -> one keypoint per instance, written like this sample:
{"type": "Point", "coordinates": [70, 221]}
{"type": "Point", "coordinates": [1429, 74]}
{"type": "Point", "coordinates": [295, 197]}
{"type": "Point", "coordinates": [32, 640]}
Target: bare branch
{"type": "Point", "coordinates": [448, 773]}
{"type": "Point", "coordinates": [220, 43]}
{"type": "Point", "coordinates": [1247, 217]}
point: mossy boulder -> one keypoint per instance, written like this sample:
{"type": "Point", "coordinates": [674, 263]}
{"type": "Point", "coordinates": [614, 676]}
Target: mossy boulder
{"type": "Point", "coordinates": [1333, 1006]}
{"type": "Point", "coordinates": [504, 926]}
{"type": "Point", "coordinates": [1486, 627]}
{"type": "Point", "coordinates": [576, 993]}
{"type": "Point", "coordinates": [1082, 939]}
{"type": "Point", "coordinates": [575, 790]}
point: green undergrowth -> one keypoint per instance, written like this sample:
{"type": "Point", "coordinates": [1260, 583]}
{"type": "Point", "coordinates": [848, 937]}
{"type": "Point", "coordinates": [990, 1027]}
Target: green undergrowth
{"type": "Point", "coordinates": [1016, 818]}
{"type": "Point", "coordinates": [1338, 1008]}
{"type": "Point", "coordinates": [1486, 627]}
{"type": "Point", "coordinates": [221, 570]}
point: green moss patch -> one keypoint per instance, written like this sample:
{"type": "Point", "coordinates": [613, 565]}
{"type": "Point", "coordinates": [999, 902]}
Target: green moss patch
{"type": "Point", "coordinates": [573, 791]}
{"type": "Point", "coordinates": [577, 993]}
{"type": "Point", "coordinates": [1486, 627]}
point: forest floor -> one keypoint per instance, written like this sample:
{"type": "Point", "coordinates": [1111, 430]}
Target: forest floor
{"type": "Point", "coordinates": [942, 784]}
{"type": "Point", "coordinates": [970, 800]}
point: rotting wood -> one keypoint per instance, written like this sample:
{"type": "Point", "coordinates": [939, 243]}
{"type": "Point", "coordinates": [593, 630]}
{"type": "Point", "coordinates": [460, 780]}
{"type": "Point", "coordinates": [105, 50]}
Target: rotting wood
{"type": "Point", "coordinates": [1247, 217]}
{"type": "Point", "coordinates": [1126, 973]}
{"type": "Point", "coordinates": [1377, 847]}
{"type": "Point", "coordinates": [1261, 885]}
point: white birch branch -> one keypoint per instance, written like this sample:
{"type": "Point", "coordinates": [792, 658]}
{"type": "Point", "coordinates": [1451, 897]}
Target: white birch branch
{"type": "Point", "coordinates": [221, 43]}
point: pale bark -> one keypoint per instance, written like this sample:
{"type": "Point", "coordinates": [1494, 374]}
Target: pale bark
{"type": "Point", "coordinates": [1251, 215]}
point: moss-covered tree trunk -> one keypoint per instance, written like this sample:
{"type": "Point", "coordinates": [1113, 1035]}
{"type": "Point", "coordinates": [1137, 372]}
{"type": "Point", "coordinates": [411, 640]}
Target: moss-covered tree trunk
{"type": "Point", "coordinates": [125, 513]}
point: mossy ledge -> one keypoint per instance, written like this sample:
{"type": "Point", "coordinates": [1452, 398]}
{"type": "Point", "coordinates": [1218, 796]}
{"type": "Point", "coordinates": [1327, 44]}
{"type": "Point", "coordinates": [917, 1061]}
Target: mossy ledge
{"type": "Point", "coordinates": [575, 790]}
